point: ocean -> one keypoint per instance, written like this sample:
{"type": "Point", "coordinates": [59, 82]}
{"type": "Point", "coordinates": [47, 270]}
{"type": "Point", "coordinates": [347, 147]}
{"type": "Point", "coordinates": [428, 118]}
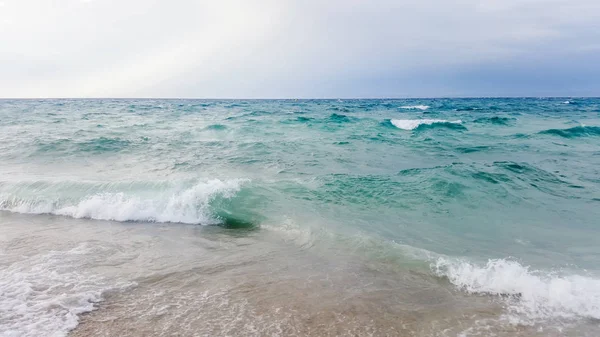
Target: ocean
{"type": "Point", "coordinates": [391, 217]}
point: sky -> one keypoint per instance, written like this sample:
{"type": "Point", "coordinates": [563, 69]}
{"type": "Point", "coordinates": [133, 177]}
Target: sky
{"type": "Point", "coordinates": [299, 49]}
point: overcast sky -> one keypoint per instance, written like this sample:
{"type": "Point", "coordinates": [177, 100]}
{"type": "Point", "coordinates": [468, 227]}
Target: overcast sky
{"type": "Point", "coordinates": [296, 49]}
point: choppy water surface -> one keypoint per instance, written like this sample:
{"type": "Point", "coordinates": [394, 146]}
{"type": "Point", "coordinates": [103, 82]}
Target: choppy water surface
{"type": "Point", "coordinates": [418, 217]}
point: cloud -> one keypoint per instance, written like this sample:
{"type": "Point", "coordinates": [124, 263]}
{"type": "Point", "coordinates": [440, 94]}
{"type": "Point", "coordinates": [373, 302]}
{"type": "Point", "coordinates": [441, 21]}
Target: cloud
{"type": "Point", "coordinates": [270, 48]}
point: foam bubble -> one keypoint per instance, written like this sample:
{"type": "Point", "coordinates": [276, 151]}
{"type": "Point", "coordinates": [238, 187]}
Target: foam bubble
{"type": "Point", "coordinates": [411, 124]}
{"type": "Point", "coordinates": [185, 205]}
{"type": "Point", "coordinates": [531, 296]}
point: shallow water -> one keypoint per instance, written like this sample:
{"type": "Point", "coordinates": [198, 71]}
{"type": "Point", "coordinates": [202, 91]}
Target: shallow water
{"type": "Point", "coordinates": [440, 217]}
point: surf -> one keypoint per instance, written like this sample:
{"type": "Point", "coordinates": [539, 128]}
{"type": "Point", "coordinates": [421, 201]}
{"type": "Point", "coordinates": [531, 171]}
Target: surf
{"type": "Point", "coordinates": [531, 296]}
{"type": "Point", "coordinates": [135, 201]}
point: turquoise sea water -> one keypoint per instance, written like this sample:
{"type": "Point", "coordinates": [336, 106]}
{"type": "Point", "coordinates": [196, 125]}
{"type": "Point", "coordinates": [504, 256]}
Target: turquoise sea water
{"type": "Point", "coordinates": [487, 197]}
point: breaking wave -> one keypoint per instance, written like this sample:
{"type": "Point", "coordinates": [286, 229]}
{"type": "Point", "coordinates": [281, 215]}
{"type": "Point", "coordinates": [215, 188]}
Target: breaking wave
{"type": "Point", "coordinates": [415, 107]}
{"type": "Point", "coordinates": [531, 296]}
{"type": "Point", "coordinates": [413, 124]}
{"type": "Point", "coordinates": [138, 201]}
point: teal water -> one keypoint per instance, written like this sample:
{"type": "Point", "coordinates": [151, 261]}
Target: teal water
{"type": "Point", "coordinates": [493, 196]}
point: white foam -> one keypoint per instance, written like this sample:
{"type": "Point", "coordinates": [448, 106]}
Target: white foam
{"type": "Point", "coordinates": [411, 124]}
{"type": "Point", "coordinates": [531, 296]}
{"type": "Point", "coordinates": [415, 107]}
{"type": "Point", "coordinates": [187, 205]}
{"type": "Point", "coordinates": [43, 295]}
{"type": "Point", "coordinates": [567, 102]}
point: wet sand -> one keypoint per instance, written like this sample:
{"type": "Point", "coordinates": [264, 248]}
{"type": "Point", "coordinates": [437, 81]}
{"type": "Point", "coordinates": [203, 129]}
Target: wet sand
{"type": "Point", "coordinates": [182, 280]}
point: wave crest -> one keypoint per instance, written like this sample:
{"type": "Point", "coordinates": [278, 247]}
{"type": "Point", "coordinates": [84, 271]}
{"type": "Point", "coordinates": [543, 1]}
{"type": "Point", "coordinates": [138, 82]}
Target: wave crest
{"type": "Point", "coordinates": [497, 120]}
{"type": "Point", "coordinates": [339, 118]}
{"type": "Point", "coordinates": [415, 107]}
{"type": "Point", "coordinates": [574, 132]}
{"type": "Point", "coordinates": [120, 202]}
{"type": "Point", "coordinates": [412, 124]}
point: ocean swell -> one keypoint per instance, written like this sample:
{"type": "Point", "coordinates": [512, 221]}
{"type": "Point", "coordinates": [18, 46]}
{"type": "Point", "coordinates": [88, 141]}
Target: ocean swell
{"type": "Point", "coordinates": [339, 118]}
{"type": "Point", "coordinates": [496, 120]}
{"type": "Point", "coordinates": [574, 132]}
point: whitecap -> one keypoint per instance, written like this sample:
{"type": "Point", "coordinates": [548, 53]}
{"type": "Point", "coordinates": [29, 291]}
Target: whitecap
{"type": "Point", "coordinates": [415, 107]}
{"type": "Point", "coordinates": [411, 124]}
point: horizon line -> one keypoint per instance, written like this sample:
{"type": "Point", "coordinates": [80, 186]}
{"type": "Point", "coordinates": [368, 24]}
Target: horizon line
{"type": "Point", "coordinates": [288, 98]}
